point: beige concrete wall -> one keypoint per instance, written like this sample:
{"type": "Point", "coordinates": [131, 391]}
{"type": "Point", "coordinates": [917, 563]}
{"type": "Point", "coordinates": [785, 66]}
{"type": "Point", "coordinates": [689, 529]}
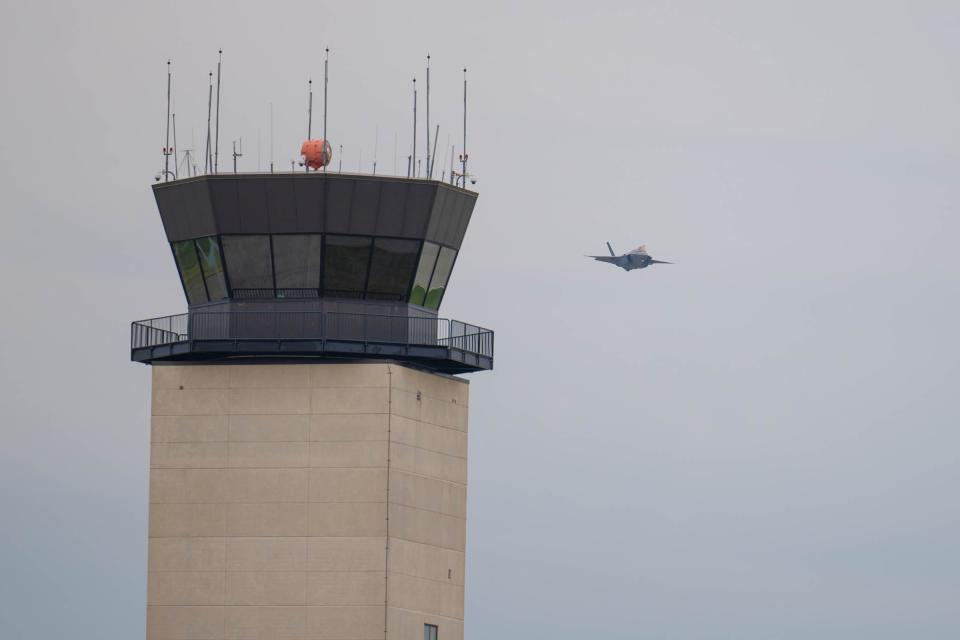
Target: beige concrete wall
{"type": "Point", "coordinates": [312, 501]}
{"type": "Point", "coordinates": [427, 504]}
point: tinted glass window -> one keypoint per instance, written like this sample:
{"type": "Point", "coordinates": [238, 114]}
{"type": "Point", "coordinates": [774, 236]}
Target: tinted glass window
{"type": "Point", "coordinates": [208, 251]}
{"type": "Point", "coordinates": [441, 274]}
{"type": "Point", "coordinates": [429, 632]}
{"type": "Point", "coordinates": [345, 263]}
{"type": "Point", "coordinates": [248, 264]}
{"type": "Point", "coordinates": [297, 261]}
{"type": "Point", "coordinates": [428, 258]}
{"type": "Point", "coordinates": [391, 268]}
{"type": "Point", "coordinates": [189, 266]}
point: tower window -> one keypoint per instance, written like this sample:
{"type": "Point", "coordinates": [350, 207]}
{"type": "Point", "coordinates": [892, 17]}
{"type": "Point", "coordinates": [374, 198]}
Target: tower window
{"type": "Point", "coordinates": [208, 250]}
{"type": "Point", "coordinates": [441, 273]}
{"type": "Point", "coordinates": [345, 263]}
{"type": "Point", "coordinates": [391, 268]}
{"type": "Point", "coordinates": [297, 261]}
{"type": "Point", "coordinates": [428, 257]}
{"type": "Point", "coordinates": [429, 632]}
{"type": "Point", "coordinates": [248, 265]}
{"type": "Point", "coordinates": [186, 256]}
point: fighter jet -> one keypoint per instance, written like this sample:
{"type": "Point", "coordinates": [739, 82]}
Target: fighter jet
{"type": "Point", "coordinates": [635, 259]}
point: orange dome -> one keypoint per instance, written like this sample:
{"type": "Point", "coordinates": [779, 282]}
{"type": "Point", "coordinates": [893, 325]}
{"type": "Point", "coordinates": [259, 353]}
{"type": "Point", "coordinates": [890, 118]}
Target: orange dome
{"type": "Point", "coordinates": [316, 153]}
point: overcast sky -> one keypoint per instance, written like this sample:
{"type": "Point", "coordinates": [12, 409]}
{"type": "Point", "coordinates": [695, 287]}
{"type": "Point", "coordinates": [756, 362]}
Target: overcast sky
{"type": "Point", "coordinates": [760, 441]}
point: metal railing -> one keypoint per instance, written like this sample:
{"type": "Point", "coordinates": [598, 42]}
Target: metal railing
{"type": "Point", "coordinates": [311, 326]}
{"type": "Point", "coordinates": [157, 331]}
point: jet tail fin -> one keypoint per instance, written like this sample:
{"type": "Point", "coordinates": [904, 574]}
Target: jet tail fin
{"type": "Point", "coordinates": [611, 250]}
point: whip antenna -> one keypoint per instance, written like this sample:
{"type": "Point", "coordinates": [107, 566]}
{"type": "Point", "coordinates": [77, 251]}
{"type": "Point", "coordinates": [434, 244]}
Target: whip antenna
{"type": "Point", "coordinates": [176, 169]}
{"type": "Point", "coordinates": [208, 158]}
{"type": "Point", "coordinates": [326, 63]}
{"type": "Point", "coordinates": [309, 118]}
{"type": "Point", "coordinates": [237, 153]}
{"type": "Point", "coordinates": [309, 108]}
{"type": "Point", "coordinates": [166, 147]}
{"type": "Point", "coordinates": [216, 150]}
{"type": "Point", "coordinates": [414, 156]}
{"type": "Point", "coordinates": [436, 135]}
{"type": "Point", "coordinates": [428, 113]}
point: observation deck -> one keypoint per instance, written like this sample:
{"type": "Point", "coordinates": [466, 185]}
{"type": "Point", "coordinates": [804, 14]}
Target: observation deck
{"type": "Point", "coordinates": [311, 266]}
{"type": "Point", "coordinates": [448, 346]}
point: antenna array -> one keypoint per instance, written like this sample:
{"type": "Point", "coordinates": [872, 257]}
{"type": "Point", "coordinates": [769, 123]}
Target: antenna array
{"type": "Point", "coordinates": [416, 167]}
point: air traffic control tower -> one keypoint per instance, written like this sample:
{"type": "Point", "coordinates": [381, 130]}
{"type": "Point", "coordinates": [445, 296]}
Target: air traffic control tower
{"type": "Point", "coordinates": [308, 461]}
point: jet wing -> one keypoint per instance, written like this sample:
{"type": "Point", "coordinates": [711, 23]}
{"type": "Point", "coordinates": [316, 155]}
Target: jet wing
{"type": "Point", "coordinates": [611, 259]}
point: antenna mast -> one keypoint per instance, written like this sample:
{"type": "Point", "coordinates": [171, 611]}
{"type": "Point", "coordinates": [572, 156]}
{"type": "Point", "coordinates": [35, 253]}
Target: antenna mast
{"type": "Point", "coordinates": [208, 159]}
{"type": "Point", "coordinates": [463, 159]}
{"type": "Point", "coordinates": [326, 64]}
{"type": "Point", "coordinates": [216, 150]}
{"type": "Point", "coordinates": [428, 113]}
{"type": "Point", "coordinates": [309, 118]}
{"type": "Point", "coordinates": [237, 154]}
{"type": "Point", "coordinates": [271, 137]}
{"type": "Point", "coordinates": [309, 108]}
{"type": "Point", "coordinates": [376, 140]}
{"type": "Point", "coordinates": [166, 148]}
{"type": "Point", "coordinates": [414, 127]}
{"type": "Point", "coordinates": [176, 169]}
{"type": "Point", "coordinates": [188, 157]}
{"type": "Point", "coordinates": [436, 136]}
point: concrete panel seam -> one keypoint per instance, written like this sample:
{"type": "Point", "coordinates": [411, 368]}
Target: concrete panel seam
{"type": "Point", "coordinates": [433, 615]}
{"type": "Point", "coordinates": [434, 478]}
{"type": "Point", "coordinates": [439, 513]}
{"type": "Point", "coordinates": [449, 583]}
{"type": "Point", "coordinates": [427, 544]}
{"type": "Point", "coordinates": [413, 446]}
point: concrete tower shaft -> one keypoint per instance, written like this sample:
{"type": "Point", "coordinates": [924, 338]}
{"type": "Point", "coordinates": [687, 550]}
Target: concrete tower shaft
{"type": "Point", "coordinates": [315, 501]}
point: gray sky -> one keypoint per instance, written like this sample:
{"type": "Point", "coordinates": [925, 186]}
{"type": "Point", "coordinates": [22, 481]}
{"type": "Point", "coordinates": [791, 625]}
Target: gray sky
{"type": "Point", "coordinates": [757, 442]}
